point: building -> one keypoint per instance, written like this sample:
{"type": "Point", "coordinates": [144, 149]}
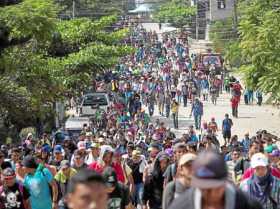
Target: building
{"type": "Point", "coordinates": [209, 11]}
{"type": "Point", "coordinates": [220, 9]}
{"type": "Point", "coordinates": [215, 9]}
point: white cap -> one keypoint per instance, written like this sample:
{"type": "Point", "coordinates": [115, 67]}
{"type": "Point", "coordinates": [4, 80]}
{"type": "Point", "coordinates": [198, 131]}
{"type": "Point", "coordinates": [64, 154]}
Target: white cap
{"type": "Point", "coordinates": [189, 157]}
{"type": "Point", "coordinates": [81, 145]}
{"type": "Point", "coordinates": [259, 159]}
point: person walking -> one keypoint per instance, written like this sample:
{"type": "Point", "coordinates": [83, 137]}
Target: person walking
{"type": "Point", "coordinates": [262, 186]}
{"type": "Point", "coordinates": [153, 185]}
{"type": "Point", "coordinates": [183, 181]}
{"type": "Point", "coordinates": [167, 101]}
{"type": "Point", "coordinates": [38, 181]}
{"type": "Point", "coordinates": [151, 100]}
{"type": "Point", "coordinates": [210, 188]}
{"type": "Point", "coordinates": [62, 178]}
{"type": "Point", "coordinates": [13, 195]}
{"type": "Point", "coordinates": [81, 193]}
{"type": "Point", "coordinates": [185, 93]}
{"type": "Point", "coordinates": [259, 97]}
{"type": "Point", "coordinates": [118, 193]}
{"type": "Point", "coordinates": [175, 111]}
{"type": "Point", "coordinates": [234, 105]}
{"type": "Point", "coordinates": [197, 111]}
{"type": "Point", "coordinates": [226, 128]}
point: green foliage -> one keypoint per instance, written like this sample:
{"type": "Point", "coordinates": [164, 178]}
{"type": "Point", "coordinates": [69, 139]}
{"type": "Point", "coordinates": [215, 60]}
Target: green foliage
{"type": "Point", "coordinates": [92, 8]}
{"type": "Point", "coordinates": [30, 18]}
{"type": "Point", "coordinates": [225, 41]}
{"type": "Point", "coordinates": [176, 12]}
{"type": "Point", "coordinates": [44, 59]}
{"type": "Point", "coordinates": [260, 47]}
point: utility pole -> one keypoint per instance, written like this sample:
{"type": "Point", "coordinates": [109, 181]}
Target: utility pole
{"type": "Point", "coordinates": [73, 8]}
{"type": "Point", "coordinates": [235, 18]}
{"type": "Point", "coordinates": [196, 21]}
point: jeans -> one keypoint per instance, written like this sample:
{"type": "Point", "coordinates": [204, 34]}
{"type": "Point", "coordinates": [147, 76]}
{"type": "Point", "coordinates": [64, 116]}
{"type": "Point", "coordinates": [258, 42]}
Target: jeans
{"type": "Point", "coordinates": [197, 121]}
{"type": "Point", "coordinates": [175, 120]}
{"type": "Point", "coordinates": [259, 101]}
{"type": "Point", "coordinates": [151, 110]}
{"type": "Point", "coordinates": [167, 110]}
{"type": "Point", "coordinates": [185, 100]}
{"type": "Point", "coordinates": [160, 108]}
{"type": "Point", "coordinates": [138, 194]}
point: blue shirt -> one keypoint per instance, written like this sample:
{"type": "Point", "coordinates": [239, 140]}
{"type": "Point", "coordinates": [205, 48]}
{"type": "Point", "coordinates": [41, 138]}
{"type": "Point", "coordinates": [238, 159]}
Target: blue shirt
{"type": "Point", "coordinates": [38, 187]}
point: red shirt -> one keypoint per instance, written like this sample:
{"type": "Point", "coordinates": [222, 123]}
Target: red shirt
{"type": "Point", "coordinates": [96, 166]}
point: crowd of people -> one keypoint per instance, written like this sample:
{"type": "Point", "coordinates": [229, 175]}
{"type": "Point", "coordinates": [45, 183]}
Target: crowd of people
{"type": "Point", "coordinates": [129, 160]}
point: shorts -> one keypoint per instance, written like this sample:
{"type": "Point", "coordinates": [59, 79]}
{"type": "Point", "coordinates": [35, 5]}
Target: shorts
{"type": "Point", "coordinates": [205, 91]}
{"type": "Point", "coordinates": [226, 134]}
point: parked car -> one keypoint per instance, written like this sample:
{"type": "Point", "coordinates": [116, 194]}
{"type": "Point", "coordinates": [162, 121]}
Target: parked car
{"type": "Point", "coordinates": [74, 125]}
{"type": "Point", "coordinates": [91, 101]}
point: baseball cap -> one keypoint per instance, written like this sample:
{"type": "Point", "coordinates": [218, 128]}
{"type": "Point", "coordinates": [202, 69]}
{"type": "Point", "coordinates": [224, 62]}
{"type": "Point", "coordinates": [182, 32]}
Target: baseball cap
{"type": "Point", "coordinates": [46, 148]}
{"type": "Point", "coordinates": [169, 152]}
{"type": "Point", "coordinates": [209, 170]}
{"type": "Point", "coordinates": [100, 140]}
{"type": "Point", "coordinates": [88, 133]}
{"type": "Point", "coordinates": [8, 173]}
{"type": "Point", "coordinates": [94, 145]}
{"type": "Point", "coordinates": [268, 149]}
{"type": "Point", "coordinates": [110, 177]}
{"type": "Point", "coordinates": [259, 159]}
{"type": "Point", "coordinates": [155, 145]}
{"type": "Point", "coordinates": [275, 153]}
{"type": "Point", "coordinates": [64, 164]}
{"type": "Point", "coordinates": [81, 145]}
{"type": "Point", "coordinates": [186, 158]}
{"type": "Point", "coordinates": [57, 149]}
{"type": "Point", "coordinates": [29, 162]}
{"type": "Point", "coordinates": [136, 153]}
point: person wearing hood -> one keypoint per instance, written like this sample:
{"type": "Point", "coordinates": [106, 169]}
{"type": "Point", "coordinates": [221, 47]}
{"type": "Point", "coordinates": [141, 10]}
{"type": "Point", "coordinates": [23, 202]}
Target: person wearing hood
{"type": "Point", "coordinates": [210, 189]}
{"type": "Point", "coordinates": [106, 160]}
{"type": "Point", "coordinates": [153, 186]}
{"type": "Point", "coordinates": [262, 186]}
{"type": "Point", "coordinates": [93, 154]}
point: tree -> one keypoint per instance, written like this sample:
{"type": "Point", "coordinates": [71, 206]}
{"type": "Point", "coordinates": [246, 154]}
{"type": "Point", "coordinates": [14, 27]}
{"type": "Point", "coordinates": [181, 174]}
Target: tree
{"type": "Point", "coordinates": [225, 41]}
{"type": "Point", "coordinates": [91, 8]}
{"type": "Point", "coordinates": [259, 30]}
{"type": "Point", "coordinates": [44, 59]}
{"type": "Point", "coordinates": [176, 12]}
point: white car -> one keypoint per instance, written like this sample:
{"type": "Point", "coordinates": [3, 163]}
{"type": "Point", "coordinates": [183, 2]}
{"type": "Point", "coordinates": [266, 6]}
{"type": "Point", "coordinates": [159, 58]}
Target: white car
{"type": "Point", "coordinates": [91, 101]}
{"type": "Point", "coordinates": [74, 125]}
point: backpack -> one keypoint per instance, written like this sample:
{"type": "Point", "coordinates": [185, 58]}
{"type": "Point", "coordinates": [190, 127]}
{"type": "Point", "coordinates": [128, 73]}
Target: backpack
{"type": "Point", "coordinates": [173, 170]}
{"type": "Point", "coordinates": [59, 193]}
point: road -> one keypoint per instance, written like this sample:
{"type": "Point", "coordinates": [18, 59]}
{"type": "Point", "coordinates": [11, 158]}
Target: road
{"type": "Point", "coordinates": [251, 117]}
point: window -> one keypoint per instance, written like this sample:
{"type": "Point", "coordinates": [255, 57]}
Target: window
{"type": "Point", "coordinates": [92, 99]}
{"type": "Point", "coordinates": [221, 4]}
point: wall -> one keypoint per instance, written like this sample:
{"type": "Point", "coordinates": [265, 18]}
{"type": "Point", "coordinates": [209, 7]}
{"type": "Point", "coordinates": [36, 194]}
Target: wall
{"type": "Point", "coordinates": [219, 14]}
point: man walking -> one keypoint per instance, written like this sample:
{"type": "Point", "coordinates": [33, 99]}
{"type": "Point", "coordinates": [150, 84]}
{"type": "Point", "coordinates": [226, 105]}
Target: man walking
{"type": "Point", "coordinates": [262, 186]}
{"type": "Point", "coordinates": [175, 111]}
{"type": "Point", "coordinates": [210, 187]}
{"type": "Point", "coordinates": [197, 111]}
{"type": "Point", "coordinates": [185, 93]}
{"type": "Point", "coordinates": [37, 181]}
{"type": "Point", "coordinates": [226, 128]}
